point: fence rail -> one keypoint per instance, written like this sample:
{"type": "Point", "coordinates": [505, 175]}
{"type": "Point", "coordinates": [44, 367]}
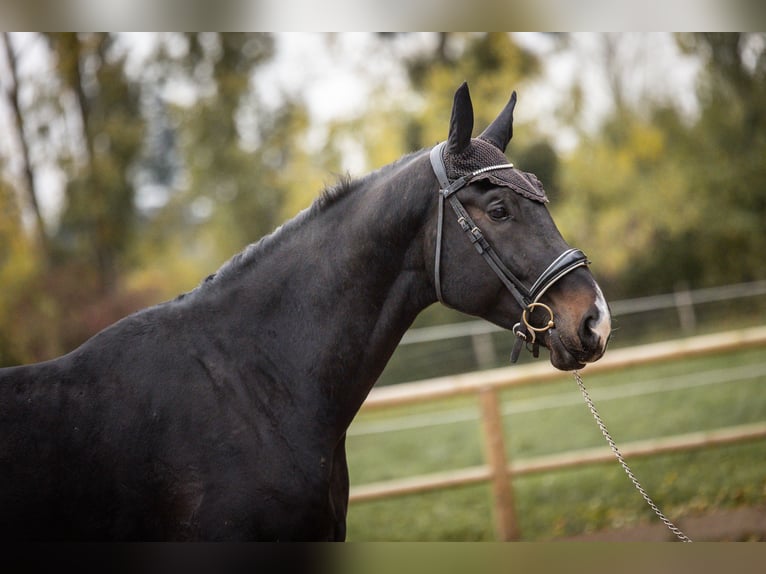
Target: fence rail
{"type": "Point", "coordinates": [483, 473]}
{"type": "Point", "coordinates": [504, 377]}
{"type": "Point", "coordinates": [500, 472]}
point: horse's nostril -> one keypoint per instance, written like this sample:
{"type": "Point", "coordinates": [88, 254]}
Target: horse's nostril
{"type": "Point", "coordinates": [589, 335]}
{"type": "Point", "coordinates": [595, 329]}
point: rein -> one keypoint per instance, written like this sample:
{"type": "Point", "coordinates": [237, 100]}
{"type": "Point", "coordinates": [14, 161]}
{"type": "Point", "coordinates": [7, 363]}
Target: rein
{"type": "Point", "coordinates": [527, 298]}
{"type": "Point", "coordinates": [618, 455]}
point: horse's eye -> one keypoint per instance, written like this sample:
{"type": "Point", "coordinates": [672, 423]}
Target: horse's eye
{"type": "Point", "coordinates": [499, 213]}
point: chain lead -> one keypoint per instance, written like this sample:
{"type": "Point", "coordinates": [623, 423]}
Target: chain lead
{"type": "Point", "coordinates": [672, 527]}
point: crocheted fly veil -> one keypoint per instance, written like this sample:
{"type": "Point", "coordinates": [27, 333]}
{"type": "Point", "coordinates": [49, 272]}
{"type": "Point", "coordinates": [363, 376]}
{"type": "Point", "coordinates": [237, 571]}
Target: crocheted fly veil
{"type": "Point", "coordinates": [481, 153]}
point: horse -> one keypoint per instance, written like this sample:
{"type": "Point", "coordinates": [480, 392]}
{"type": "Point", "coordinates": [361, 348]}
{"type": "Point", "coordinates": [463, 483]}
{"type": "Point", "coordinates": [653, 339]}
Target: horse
{"type": "Point", "coordinates": [222, 414]}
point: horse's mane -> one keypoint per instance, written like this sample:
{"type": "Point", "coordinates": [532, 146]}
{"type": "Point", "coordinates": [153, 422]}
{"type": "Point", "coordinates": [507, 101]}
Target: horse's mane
{"type": "Point", "coordinates": [346, 184]}
{"type": "Point", "coordinates": [252, 253]}
{"type": "Point", "coordinates": [335, 192]}
{"type": "Point", "coordinates": [329, 196]}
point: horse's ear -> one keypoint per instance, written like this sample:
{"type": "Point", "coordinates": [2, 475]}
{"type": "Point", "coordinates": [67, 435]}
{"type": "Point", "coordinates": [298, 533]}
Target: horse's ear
{"type": "Point", "coordinates": [500, 131]}
{"type": "Point", "coordinates": [461, 123]}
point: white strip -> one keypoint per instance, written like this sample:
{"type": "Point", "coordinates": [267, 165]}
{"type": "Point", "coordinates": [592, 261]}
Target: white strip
{"type": "Point", "coordinates": [604, 326]}
{"type": "Point", "coordinates": [491, 168]}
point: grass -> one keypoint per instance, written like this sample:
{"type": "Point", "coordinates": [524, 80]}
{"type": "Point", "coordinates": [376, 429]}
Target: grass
{"type": "Point", "coordinates": [552, 418]}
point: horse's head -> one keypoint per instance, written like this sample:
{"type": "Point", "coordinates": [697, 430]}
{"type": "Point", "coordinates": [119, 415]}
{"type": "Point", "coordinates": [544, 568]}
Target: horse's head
{"type": "Point", "coordinates": [497, 252]}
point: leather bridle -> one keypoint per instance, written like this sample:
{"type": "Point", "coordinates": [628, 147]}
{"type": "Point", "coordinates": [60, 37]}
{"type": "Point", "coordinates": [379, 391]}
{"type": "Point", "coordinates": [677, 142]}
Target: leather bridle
{"type": "Point", "coordinates": [527, 298]}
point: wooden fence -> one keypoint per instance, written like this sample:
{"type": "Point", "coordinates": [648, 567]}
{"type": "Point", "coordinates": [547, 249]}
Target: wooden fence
{"type": "Point", "coordinates": [498, 470]}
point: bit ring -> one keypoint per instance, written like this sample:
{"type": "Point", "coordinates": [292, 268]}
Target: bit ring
{"type": "Point", "coordinates": [530, 307]}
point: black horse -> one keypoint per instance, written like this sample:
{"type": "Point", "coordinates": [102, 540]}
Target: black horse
{"type": "Point", "coordinates": [222, 414]}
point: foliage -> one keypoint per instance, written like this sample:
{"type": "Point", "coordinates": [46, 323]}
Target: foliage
{"type": "Point", "coordinates": [98, 221]}
{"type": "Point", "coordinates": [728, 144]}
{"type": "Point", "coordinates": [622, 199]}
{"type": "Point", "coordinates": [19, 269]}
{"type": "Point", "coordinates": [660, 202]}
{"type": "Point", "coordinates": [492, 63]}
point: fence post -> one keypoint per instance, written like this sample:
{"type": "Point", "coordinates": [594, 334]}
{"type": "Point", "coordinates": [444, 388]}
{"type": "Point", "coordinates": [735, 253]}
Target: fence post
{"type": "Point", "coordinates": [484, 350]}
{"type": "Point", "coordinates": [684, 302]}
{"type": "Point", "coordinates": [492, 423]}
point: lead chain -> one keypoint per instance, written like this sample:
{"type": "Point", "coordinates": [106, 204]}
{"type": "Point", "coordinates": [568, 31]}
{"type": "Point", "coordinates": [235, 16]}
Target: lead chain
{"type": "Point", "coordinates": [672, 527]}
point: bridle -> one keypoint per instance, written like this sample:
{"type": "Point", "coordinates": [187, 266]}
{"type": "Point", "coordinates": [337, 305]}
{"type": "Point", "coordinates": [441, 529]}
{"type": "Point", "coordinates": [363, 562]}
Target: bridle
{"type": "Point", "coordinates": [527, 298]}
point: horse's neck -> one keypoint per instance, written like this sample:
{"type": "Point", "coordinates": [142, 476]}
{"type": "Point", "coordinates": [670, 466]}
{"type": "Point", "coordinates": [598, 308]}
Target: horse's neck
{"type": "Point", "coordinates": [333, 296]}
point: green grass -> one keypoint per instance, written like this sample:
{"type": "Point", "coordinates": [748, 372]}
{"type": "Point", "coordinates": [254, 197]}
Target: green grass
{"type": "Point", "coordinates": [568, 502]}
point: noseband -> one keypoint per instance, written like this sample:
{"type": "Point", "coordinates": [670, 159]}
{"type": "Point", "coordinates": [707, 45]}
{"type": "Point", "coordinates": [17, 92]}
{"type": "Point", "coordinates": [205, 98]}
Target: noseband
{"type": "Point", "coordinates": [527, 298]}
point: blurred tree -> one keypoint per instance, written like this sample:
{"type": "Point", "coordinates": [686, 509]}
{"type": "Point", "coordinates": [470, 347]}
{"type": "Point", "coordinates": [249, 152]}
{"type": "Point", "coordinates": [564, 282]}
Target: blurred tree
{"type": "Point", "coordinates": [244, 166]}
{"type": "Point", "coordinates": [99, 215]}
{"type": "Point", "coordinates": [626, 197]}
{"type": "Point", "coordinates": [661, 200]}
{"type": "Point", "coordinates": [400, 121]}
{"type": "Point", "coordinates": [224, 166]}
{"type": "Point", "coordinates": [541, 159]}
{"type": "Point", "coordinates": [13, 99]}
{"type": "Point", "coordinates": [492, 63]}
{"type": "Point", "coordinates": [221, 173]}
{"type": "Point", "coordinates": [20, 266]}
{"type": "Point", "coordinates": [89, 123]}
{"type": "Point", "coordinates": [727, 171]}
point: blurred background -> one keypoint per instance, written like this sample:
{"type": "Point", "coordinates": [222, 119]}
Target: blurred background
{"type": "Point", "coordinates": [134, 165]}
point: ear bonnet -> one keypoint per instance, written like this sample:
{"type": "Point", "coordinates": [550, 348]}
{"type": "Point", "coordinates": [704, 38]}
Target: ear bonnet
{"type": "Point", "coordinates": [481, 153]}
